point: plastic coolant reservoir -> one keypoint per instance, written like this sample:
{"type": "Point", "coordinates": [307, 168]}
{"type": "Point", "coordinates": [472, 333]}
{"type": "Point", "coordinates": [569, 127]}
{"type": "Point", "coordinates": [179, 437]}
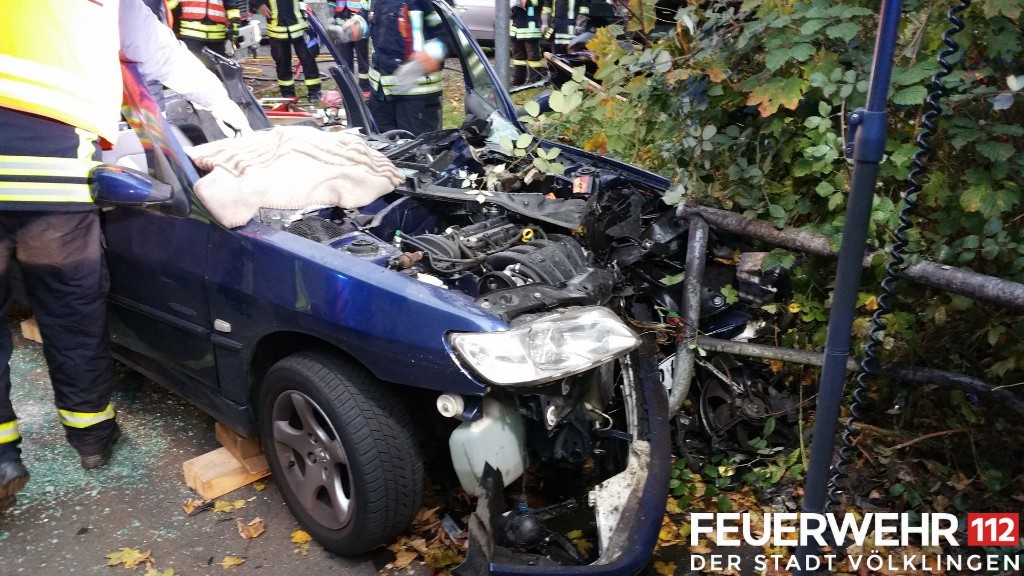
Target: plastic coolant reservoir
{"type": "Point", "coordinates": [497, 438]}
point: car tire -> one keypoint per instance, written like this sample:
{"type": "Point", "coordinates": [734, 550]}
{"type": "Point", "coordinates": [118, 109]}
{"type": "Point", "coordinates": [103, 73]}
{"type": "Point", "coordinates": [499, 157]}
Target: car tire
{"type": "Point", "coordinates": [342, 451]}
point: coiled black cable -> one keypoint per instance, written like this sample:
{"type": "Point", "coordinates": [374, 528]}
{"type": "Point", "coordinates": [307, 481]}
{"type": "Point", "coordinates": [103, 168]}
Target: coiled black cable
{"type": "Point", "coordinates": [869, 364]}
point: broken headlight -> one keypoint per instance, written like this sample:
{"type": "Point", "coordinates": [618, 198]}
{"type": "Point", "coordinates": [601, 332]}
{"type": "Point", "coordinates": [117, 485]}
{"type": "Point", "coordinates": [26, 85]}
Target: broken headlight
{"type": "Point", "coordinates": [546, 349]}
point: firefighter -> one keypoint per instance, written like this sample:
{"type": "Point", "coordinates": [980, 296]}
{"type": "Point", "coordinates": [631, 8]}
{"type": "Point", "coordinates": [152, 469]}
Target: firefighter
{"type": "Point", "coordinates": [343, 11]}
{"type": "Point", "coordinates": [524, 30]}
{"type": "Point", "coordinates": [405, 77]}
{"type": "Point", "coordinates": [206, 23]}
{"type": "Point", "coordinates": [561, 20]}
{"type": "Point", "coordinates": [60, 89]}
{"type": "Point", "coordinates": [286, 27]}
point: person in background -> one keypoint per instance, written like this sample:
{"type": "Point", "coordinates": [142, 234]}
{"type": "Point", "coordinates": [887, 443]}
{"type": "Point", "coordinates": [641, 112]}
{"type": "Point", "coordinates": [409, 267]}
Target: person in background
{"type": "Point", "coordinates": [286, 27]}
{"type": "Point", "coordinates": [524, 30]}
{"type": "Point", "coordinates": [561, 20]}
{"type": "Point", "coordinates": [60, 90]}
{"type": "Point", "coordinates": [345, 10]}
{"type": "Point", "coordinates": [205, 23]}
{"type": "Point", "coordinates": [405, 77]}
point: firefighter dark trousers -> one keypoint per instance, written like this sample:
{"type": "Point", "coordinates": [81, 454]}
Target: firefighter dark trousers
{"type": "Point", "coordinates": [417, 114]}
{"type": "Point", "coordinates": [281, 51]}
{"type": "Point", "coordinates": [195, 45]}
{"type": "Point", "coordinates": [527, 62]}
{"type": "Point", "coordinates": [362, 55]}
{"type": "Point", "coordinates": [65, 278]}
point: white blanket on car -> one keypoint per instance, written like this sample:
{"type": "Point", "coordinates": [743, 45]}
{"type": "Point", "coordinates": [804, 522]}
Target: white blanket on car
{"type": "Point", "coordinates": [289, 167]}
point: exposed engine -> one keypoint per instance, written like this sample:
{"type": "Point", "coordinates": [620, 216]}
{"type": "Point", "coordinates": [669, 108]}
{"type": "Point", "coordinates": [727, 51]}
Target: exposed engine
{"type": "Point", "coordinates": [527, 244]}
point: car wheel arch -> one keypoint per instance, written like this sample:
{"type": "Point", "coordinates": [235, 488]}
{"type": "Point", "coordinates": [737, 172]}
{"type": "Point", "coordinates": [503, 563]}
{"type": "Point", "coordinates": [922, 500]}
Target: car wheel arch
{"type": "Point", "coordinates": [276, 346]}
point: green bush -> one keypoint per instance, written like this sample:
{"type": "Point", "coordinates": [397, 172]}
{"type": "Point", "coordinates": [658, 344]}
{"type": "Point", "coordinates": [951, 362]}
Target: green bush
{"type": "Point", "coordinates": [745, 108]}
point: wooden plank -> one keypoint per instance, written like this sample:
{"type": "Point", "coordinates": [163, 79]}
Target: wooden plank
{"type": "Point", "coordinates": [216, 473]}
{"type": "Point", "coordinates": [247, 450]}
{"type": "Point", "coordinates": [30, 330]}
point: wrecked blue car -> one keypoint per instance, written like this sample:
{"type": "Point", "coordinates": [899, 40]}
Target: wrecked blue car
{"type": "Point", "coordinates": [495, 331]}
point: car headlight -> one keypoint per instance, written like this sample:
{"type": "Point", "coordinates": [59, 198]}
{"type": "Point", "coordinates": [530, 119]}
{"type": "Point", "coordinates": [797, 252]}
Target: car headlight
{"type": "Point", "coordinates": [551, 347]}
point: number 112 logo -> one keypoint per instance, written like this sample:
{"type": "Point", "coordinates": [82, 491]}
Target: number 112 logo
{"type": "Point", "coordinates": [1002, 529]}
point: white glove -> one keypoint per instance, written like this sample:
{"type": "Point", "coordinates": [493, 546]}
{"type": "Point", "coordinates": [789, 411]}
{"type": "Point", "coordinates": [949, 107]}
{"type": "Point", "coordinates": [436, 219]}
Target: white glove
{"type": "Point", "coordinates": [230, 118]}
{"type": "Point", "coordinates": [407, 74]}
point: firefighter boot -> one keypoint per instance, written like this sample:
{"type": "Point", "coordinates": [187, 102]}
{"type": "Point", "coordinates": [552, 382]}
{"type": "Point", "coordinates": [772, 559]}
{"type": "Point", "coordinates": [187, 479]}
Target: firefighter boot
{"type": "Point", "coordinates": [100, 455]}
{"type": "Point", "coordinates": [518, 73]}
{"type": "Point", "coordinates": [13, 477]}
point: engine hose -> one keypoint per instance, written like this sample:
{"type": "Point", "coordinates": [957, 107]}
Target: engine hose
{"type": "Point", "coordinates": [869, 365]}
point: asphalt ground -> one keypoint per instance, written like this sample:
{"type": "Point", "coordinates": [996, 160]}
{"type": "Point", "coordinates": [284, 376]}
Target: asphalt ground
{"type": "Point", "coordinates": [68, 519]}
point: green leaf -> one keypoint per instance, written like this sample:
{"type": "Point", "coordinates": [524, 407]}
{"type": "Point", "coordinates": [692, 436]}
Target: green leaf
{"type": "Point", "coordinates": [774, 59]}
{"type": "Point", "coordinates": [769, 427]}
{"type": "Point", "coordinates": [988, 201]}
{"type": "Point", "coordinates": [843, 31]}
{"type": "Point", "coordinates": [524, 140]}
{"type": "Point", "coordinates": [673, 279]}
{"type": "Point", "coordinates": [724, 503]}
{"type": "Point", "coordinates": [835, 202]}
{"type": "Point", "coordinates": [642, 15]}
{"type": "Point", "coordinates": [532, 108]}
{"type": "Point", "coordinates": [708, 132]}
{"type": "Point", "coordinates": [801, 52]}
{"type": "Point", "coordinates": [784, 92]}
{"type": "Point", "coordinates": [993, 226]}
{"type": "Point", "coordinates": [910, 96]}
{"type": "Point", "coordinates": [507, 146]}
{"type": "Point", "coordinates": [776, 211]}
{"type": "Point", "coordinates": [579, 73]}
{"type": "Point", "coordinates": [995, 151]}
{"type": "Point", "coordinates": [812, 26]}
{"type": "Point", "coordinates": [557, 102]}
{"type": "Point", "coordinates": [824, 189]}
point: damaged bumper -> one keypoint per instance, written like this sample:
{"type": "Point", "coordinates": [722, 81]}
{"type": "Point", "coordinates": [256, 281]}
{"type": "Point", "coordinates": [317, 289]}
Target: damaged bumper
{"type": "Point", "coordinates": [629, 506]}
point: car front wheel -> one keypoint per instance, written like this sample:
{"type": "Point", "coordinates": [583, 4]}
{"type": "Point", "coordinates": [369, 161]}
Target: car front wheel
{"type": "Point", "coordinates": [341, 448]}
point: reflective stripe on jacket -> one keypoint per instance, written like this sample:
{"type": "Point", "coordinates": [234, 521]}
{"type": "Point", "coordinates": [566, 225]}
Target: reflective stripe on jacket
{"type": "Point", "coordinates": [397, 28]}
{"type": "Point", "coordinates": [567, 9]}
{"type": "Point", "coordinates": [429, 84]}
{"type": "Point", "coordinates": [81, 85]}
{"type": "Point", "coordinates": [204, 19]}
{"type": "Point", "coordinates": [525, 20]}
{"type": "Point", "coordinates": [286, 19]}
{"type": "Point", "coordinates": [345, 9]}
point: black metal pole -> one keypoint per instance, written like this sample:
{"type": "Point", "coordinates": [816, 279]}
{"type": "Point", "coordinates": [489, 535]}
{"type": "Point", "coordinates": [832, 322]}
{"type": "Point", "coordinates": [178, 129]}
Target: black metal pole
{"type": "Point", "coordinates": [866, 149]}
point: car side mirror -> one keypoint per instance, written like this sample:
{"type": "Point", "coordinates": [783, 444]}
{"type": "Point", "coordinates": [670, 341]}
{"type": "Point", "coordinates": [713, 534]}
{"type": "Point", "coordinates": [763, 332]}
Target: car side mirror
{"type": "Point", "coordinates": [120, 186]}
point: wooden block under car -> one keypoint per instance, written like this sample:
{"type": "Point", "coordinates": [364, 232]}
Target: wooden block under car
{"type": "Point", "coordinates": [247, 450]}
{"type": "Point", "coordinates": [216, 473]}
{"type": "Point", "coordinates": [30, 330]}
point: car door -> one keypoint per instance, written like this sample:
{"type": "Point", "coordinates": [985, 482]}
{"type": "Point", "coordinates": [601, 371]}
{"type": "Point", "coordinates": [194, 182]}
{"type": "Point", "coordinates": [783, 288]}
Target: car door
{"type": "Point", "coordinates": [159, 313]}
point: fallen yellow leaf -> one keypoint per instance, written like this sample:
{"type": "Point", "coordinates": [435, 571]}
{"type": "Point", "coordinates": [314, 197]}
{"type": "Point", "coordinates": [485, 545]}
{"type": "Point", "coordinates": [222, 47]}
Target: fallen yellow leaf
{"type": "Point", "coordinates": [403, 559]}
{"type": "Point", "coordinates": [252, 529]}
{"type": "Point", "coordinates": [191, 505]}
{"type": "Point", "coordinates": [871, 304]}
{"type": "Point", "coordinates": [158, 572]}
{"type": "Point", "coordinates": [129, 557]}
{"type": "Point", "coordinates": [302, 549]}
{"type": "Point", "coordinates": [301, 537]}
{"type": "Point", "coordinates": [583, 546]}
{"type": "Point", "coordinates": [223, 506]}
{"type": "Point", "coordinates": [419, 545]}
{"type": "Point", "coordinates": [259, 486]}
{"type": "Point", "coordinates": [794, 307]}
{"type": "Point", "coordinates": [230, 561]}
{"type": "Point", "coordinates": [665, 568]}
